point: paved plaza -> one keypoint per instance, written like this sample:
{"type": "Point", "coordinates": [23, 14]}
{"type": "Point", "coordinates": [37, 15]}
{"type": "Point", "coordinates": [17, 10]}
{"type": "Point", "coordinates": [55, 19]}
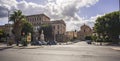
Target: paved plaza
{"type": "Point", "coordinates": [75, 52]}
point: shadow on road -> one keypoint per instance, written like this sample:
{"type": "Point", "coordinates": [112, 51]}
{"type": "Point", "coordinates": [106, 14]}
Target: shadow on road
{"type": "Point", "coordinates": [4, 48]}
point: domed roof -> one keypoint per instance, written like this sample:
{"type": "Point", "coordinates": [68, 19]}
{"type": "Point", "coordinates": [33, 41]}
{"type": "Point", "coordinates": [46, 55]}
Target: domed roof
{"type": "Point", "coordinates": [84, 26]}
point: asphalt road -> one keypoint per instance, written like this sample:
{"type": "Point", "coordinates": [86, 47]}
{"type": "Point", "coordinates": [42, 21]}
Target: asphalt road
{"type": "Point", "coordinates": [76, 52]}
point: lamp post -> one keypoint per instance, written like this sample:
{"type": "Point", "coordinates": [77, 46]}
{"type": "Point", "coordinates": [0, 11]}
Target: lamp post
{"type": "Point", "coordinates": [119, 39]}
{"type": "Point", "coordinates": [119, 36]}
{"type": "Point", "coordinates": [54, 34]}
{"type": "Point", "coordinates": [8, 34]}
{"type": "Point", "coordinates": [9, 26]}
{"type": "Point", "coordinates": [9, 19]}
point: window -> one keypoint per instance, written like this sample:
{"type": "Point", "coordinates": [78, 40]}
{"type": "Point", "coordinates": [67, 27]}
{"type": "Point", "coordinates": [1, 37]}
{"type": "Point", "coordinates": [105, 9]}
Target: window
{"type": "Point", "coordinates": [58, 27]}
{"type": "Point", "coordinates": [58, 32]}
{"type": "Point", "coordinates": [53, 27]}
{"type": "Point", "coordinates": [84, 30]}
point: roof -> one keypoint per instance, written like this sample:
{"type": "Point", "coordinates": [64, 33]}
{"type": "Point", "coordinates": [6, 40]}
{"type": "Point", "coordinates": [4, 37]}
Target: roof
{"type": "Point", "coordinates": [58, 22]}
{"type": "Point", "coordinates": [85, 26]}
{"type": "Point", "coordinates": [37, 15]}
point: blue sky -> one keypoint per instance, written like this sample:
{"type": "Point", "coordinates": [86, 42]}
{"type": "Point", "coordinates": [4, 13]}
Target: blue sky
{"type": "Point", "coordinates": [102, 7]}
{"type": "Point", "coordinates": [75, 13]}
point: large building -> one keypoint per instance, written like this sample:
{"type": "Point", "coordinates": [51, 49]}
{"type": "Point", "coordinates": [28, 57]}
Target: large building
{"type": "Point", "coordinates": [37, 20]}
{"type": "Point", "coordinates": [59, 29]}
{"type": "Point", "coordinates": [58, 26]}
{"type": "Point", "coordinates": [85, 31]}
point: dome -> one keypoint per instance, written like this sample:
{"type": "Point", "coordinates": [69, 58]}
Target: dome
{"type": "Point", "coordinates": [84, 26]}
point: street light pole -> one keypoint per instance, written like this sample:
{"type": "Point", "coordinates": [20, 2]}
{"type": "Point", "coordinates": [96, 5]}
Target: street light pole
{"type": "Point", "coordinates": [54, 34]}
{"type": "Point", "coordinates": [8, 28]}
{"type": "Point", "coordinates": [8, 21]}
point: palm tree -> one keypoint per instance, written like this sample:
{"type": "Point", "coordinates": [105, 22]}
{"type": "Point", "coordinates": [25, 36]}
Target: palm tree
{"type": "Point", "coordinates": [17, 18]}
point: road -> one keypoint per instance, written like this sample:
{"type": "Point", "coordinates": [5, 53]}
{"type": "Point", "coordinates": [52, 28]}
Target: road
{"type": "Point", "coordinates": [76, 52]}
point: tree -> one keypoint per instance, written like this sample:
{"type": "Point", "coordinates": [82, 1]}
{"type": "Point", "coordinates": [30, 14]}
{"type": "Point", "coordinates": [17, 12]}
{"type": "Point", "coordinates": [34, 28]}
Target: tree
{"type": "Point", "coordinates": [88, 38]}
{"type": "Point", "coordinates": [17, 18]}
{"type": "Point", "coordinates": [27, 27]}
{"type": "Point", "coordinates": [47, 31]}
{"type": "Point", "coordinates": [107, 27]}
{"type": "Point", "coordinates": [2, 34]}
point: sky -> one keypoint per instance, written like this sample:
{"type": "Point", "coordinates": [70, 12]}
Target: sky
{"type": "Point", "coordinates": [75, 13]}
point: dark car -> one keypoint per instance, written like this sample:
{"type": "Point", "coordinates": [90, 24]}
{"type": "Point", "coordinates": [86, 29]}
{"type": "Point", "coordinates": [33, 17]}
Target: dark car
{"type": "Point", "coordinates": [88, 41]}
{"type": "Point", "coordinates": [52, 42]}
{"type": "Point", "coordinates": [43, 42]}
{"type": "Point", "coordinates": [36, 43]}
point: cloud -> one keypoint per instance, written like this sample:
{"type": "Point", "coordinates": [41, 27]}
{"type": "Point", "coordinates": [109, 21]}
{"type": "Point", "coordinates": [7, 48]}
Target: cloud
{"type": "Point", "coordinates": [55, 9]}
{"type": "Point", "coordinates": [3, 11]}
{"type": "Point", "coordinates": [4, 7]}
{"type": "Point", "coordinates": [75, 25]}
{"type": "Point", "coordinates": [3, 20]}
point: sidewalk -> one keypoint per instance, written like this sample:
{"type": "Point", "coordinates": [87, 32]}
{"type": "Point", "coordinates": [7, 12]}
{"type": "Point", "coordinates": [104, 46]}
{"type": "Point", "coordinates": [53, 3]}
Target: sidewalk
{"type": "Point", "coordinates": [116, 48]}
{"type": "Point", "coordinates": [4, 46]}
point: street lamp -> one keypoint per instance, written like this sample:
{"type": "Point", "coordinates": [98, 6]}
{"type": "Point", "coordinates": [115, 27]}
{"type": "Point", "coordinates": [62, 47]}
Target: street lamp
{"type": "Point", "coordinates": [119, 36]}
{"type": "Point", "coordinates": [54, 33]}
{"type": "Point", "coordinates": [9, 26]}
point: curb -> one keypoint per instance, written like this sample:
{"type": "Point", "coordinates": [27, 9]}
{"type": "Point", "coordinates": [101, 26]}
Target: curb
{"type": "Point", "coordinates": [2, 48]}
{"type": "Point", "coordinates": [33, 47]}
{"type": "Point", "coordinates": [116, 48]}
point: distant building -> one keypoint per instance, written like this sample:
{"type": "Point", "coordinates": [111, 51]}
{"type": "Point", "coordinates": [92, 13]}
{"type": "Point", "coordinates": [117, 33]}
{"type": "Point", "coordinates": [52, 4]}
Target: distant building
{"type": "Point", "coordinates": [85, 31]}
{"type": "Point", "coordinates": [2, 27]}
{"type": "Point", "coordinates": [59, 29]}
{"type": "Point", "coordinates": [7, 28]}
{"type": "Point", "coordinates": [71, 34]}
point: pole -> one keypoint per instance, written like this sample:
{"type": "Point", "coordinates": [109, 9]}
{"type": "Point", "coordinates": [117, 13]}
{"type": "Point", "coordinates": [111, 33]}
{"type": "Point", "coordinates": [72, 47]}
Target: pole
{"type": "Point", "coordinates": [54, 34]}
{"type": "Point", "coordinates": [8, 28]}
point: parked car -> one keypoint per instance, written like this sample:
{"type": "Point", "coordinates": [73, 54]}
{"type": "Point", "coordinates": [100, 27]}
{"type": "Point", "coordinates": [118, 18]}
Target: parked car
{"type": "Point", "coordinates": [36, 43]}
{"type": "Point", "coordinates": [52, 42]}
{"type": "Point", "coordinates": [88, 41]}
{"type": "Point", "coordinates": [43, 42]}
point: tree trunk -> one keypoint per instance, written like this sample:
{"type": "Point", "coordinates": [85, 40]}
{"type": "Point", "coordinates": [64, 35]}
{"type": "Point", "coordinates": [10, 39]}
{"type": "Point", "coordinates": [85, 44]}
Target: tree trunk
{"type": "Point", "coordinates": [17, 31]}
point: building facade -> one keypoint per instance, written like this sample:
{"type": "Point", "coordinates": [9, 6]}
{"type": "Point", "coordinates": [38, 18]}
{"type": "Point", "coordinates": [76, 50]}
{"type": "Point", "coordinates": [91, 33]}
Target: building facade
{"type": "Point", "coordinates": [71, 34]}
{"type": "Point", "coordinates": [85, 31]}
{"type": "Point", "coordinates": [7, 28]}
{"type": "Point", "coordinates": [59, 29]}
{"type": "Point", "coordinates": [58, 26]}
{"type": "Point", "coordinates": [37, 20]}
